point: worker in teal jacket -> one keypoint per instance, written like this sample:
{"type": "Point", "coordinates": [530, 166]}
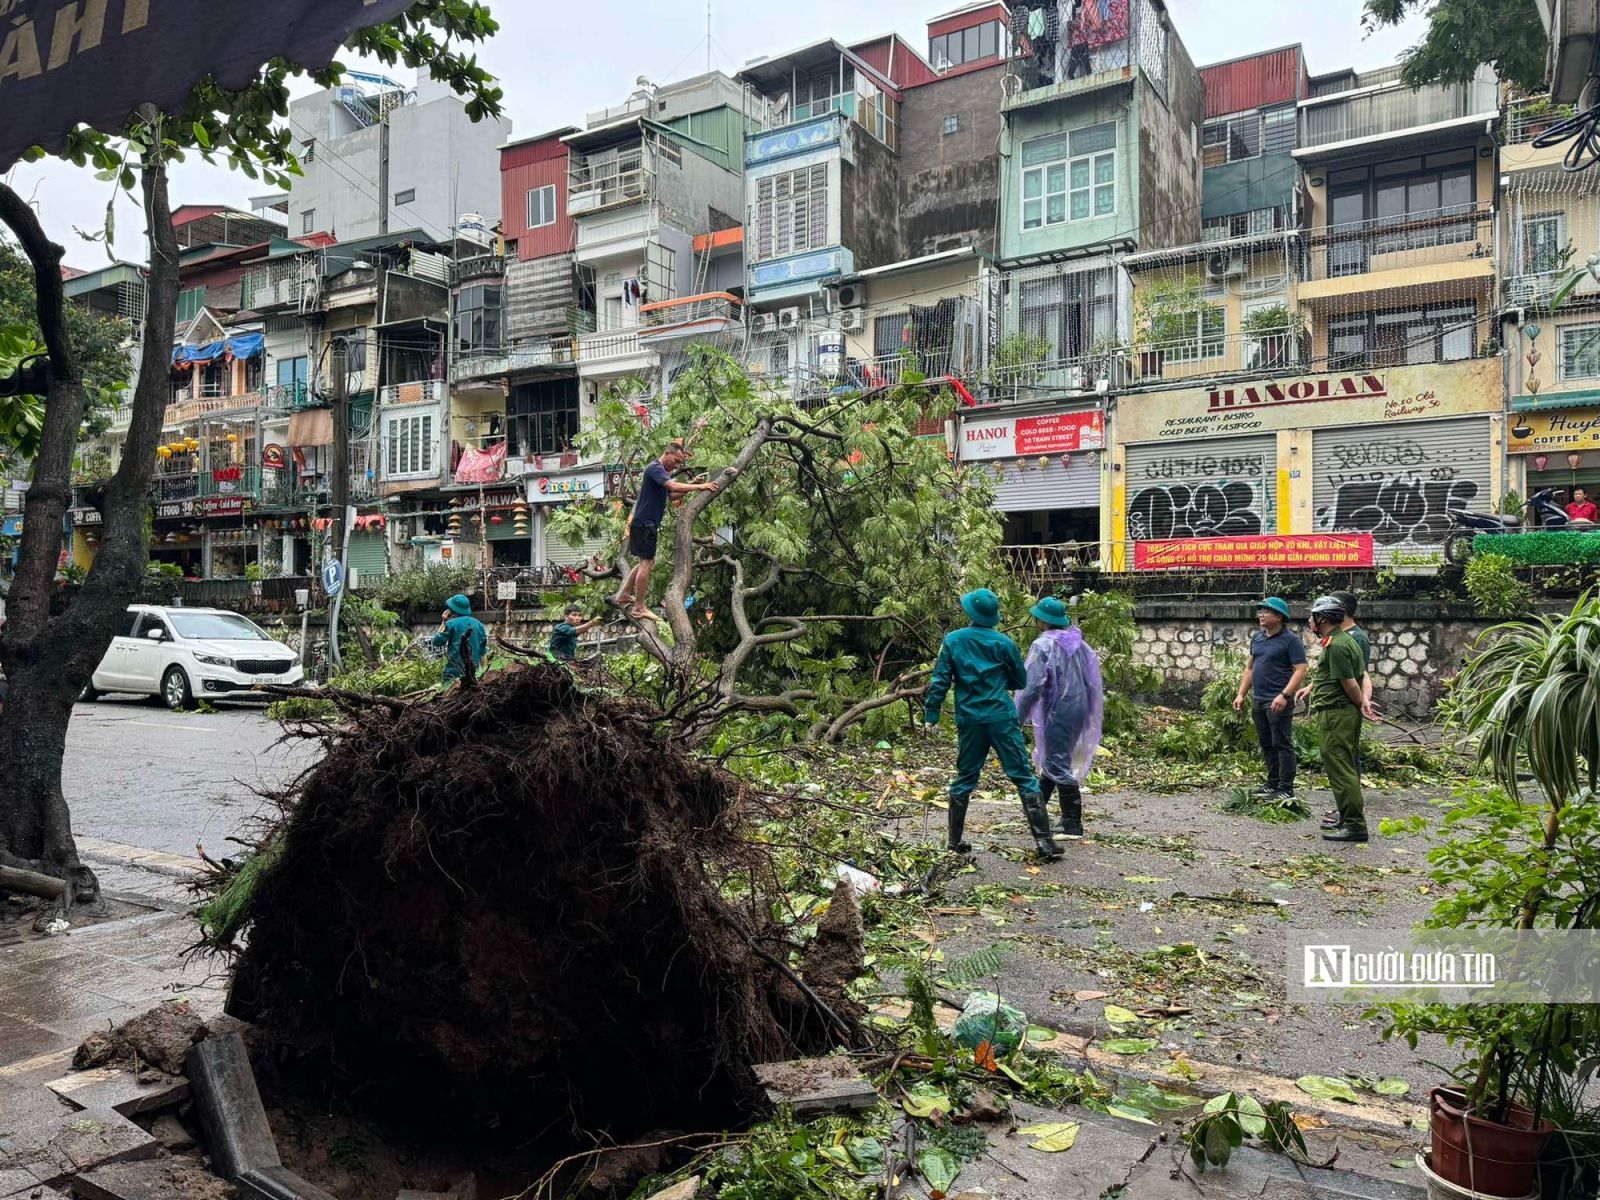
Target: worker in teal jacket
{"type": "Point", "coordinates": [985, 667]}
{"type": "Point", "coordinates": [462, 635]}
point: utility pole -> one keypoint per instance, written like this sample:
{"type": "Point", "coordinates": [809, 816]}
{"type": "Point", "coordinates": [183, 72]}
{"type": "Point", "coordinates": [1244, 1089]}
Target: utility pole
{"type": "Point", "coordinates": [339, 492]}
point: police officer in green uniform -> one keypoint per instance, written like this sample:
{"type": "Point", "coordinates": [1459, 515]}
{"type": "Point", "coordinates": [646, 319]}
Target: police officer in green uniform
{"type": "Point", "coordinates": [985, 668]}
{"type": "Point", "coordinates": [1338, 703]}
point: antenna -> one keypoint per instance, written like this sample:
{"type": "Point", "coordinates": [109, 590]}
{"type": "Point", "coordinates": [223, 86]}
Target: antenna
{"type": "Point", "coordinates": [708, 37]}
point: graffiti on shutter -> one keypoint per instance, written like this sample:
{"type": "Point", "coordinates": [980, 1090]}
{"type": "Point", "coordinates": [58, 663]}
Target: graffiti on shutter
{"type": "Point", "coordinates": [1400, 482]}
{"type": "Point", "coordinates": [1218, 487]}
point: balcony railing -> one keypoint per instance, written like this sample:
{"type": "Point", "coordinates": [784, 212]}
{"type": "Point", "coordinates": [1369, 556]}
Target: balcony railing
{"type": "Point", "coordinates": [484, 266]}
{"type": "Point", "coordinates": [1390, 108]}
{"type": "Point", "coordinates": [290, 396]}
{"type": "Point", "coordinates": [690, 317]}
{"type": "Point", "coordinates": [614, 343]}
{"type": "Point", "coordinates": [599, 181]}
{"type": "Point", "coordinates": [181, 412]}
{"type": "Point", "coordinates": [231, 481]}
{"type": "Point", "coordinates": [1460, 234]}
{"type": "Point", "coordinates": [175, 485]}
{"type": "Point", "coordinates": [1030, 381]}
{"type": "Point", "coordinates": [1039, 566]}
{"type": "Point", "coordinates": [427, 391]}
{"type": "Point", "coordinates": [1529, 116]}
{"type": "Point", "coordinates": [285, 489]}
{"type": "Point", "coordinates": [496, 364]}
{"type": "Point", "coordinates": [1261, 352]}
{"type": "Point", "coordinates": [616, 227]}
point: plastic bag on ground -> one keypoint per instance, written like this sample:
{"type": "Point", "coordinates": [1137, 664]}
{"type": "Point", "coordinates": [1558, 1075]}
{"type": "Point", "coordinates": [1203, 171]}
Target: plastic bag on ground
{"type": "Point", "coordinates": [988, 1018]}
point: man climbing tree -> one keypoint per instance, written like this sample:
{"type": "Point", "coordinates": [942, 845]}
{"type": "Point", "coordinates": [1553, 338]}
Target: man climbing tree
{"type": "Point", "coordinates": [47, 659]}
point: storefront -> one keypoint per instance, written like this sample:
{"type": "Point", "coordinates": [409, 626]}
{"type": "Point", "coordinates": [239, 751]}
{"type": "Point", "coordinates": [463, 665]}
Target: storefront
{"type": "Point", "coordinates": [1390, 454]}
{"type": "Point", "coordinates": [1048, 472]}
{"type": "Point", "coordinates": [545, 492]}
{"type": "Point", "coordinates": [177, 536]}
{"type": "Point", "coordinates": [1555, 451]}
{"type": "Point", "coordinates": [232, 535]}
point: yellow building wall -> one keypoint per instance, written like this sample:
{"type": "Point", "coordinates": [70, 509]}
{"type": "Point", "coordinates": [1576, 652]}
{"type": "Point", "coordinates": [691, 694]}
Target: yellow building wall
{"type": "Point", "coordinates": [892, 294]}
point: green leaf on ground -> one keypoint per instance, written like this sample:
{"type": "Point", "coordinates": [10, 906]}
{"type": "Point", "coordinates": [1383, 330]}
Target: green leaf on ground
{"type": "Point", "coordinates": [924, 1100]}
{"type": "Point", "coordinates": [1128, 1114]}
{"type": "Point", "coordinates": [1130, 1045]}
{"type": "Point", "coordinates": [1051, 1138]}
{"type": "Point", "coordinates": [1391, 1087]}
{"type": "Point", "coordinates": [938, 1168]}
{"type": "Point", "coordinates": [1120, 1016]}
{"type": "Point", "coordinates": [1327, 1087]}
{"type": "Point", "coordinates": [1146, 879]}
{"type": "Point", "coordinates": [868, 1154]}
{"type": "Point", "coordinates": [1038, 1033]}
{"type": "Point", "coordinates": [1402, 1164]}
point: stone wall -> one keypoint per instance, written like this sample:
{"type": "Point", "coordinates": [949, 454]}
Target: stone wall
{"type": "Point", "coordinates": [1416, 647]}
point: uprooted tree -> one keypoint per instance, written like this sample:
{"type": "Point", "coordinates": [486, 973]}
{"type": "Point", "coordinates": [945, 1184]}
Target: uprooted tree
{"type": "Point", "coordinates": [819, 579]}
{"type": "Point", "coordinates": [48, 658]}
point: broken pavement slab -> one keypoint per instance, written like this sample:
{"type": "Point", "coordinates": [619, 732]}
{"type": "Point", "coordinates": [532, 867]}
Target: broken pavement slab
{"type": "Point", "coordinates": [166, 1179]}
{"type": "Point", "coordinates": [810, 1086]}
{"type": "Point", "coordinates": [1101, 1160]}
{"type": "Point", "coordinates": [237, 1133]}
{"type": "Point", "coordinates": [120, 1091]}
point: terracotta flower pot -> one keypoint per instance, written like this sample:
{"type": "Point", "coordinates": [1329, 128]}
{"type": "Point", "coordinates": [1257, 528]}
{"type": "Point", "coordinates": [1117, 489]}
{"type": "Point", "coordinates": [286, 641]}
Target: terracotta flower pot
{"type": "Point", "coordinates": [1487, 1157]}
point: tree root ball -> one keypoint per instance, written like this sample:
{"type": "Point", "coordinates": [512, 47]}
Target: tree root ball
{"type": "Point", "coordinates": [509, 906]}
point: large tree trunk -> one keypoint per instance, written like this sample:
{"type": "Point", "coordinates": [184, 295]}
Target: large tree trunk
{"type": "Point", "coordinates": [48, 659]}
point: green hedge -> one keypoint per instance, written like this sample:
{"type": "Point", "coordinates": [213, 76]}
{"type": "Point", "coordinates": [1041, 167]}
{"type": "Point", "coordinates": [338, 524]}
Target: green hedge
{"type": "Point", "coordinates": [1541, 549]}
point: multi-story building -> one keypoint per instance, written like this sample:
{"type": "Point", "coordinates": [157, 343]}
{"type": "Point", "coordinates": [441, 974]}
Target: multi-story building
{"type": "Point", "coordinates": [1547, 235]}
{"type": "Point", "coordinates": [1360, 390]}
{"type": "Point", "coordinates": [378, 156]}
{"type": "Point", "coordinates": [1099, 158]}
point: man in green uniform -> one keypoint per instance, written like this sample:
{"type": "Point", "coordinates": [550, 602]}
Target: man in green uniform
{"type": "Point", "coordinates": [465, 640]}
{"type": "Point", "coordinates": [985, 667]}
{"type": "Point", "coordinates": [1338, 702]}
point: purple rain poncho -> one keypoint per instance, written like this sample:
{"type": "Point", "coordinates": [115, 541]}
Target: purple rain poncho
{"type": "Point", "coordinates": [1065, 702]}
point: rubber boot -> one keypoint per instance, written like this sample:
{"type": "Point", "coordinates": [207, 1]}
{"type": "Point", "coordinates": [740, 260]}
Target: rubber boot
{"type": "Point", "coordinates": [1039, 826]}
{"type": "Point", "coordinates": [957, 823]}
{"type": "Point", "coordinates": [1071, 811]}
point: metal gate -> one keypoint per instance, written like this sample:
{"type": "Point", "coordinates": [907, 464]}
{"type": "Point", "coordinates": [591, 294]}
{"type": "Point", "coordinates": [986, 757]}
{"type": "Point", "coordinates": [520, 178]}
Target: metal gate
{"type": "Point", "coordinates": [558, 553]}
{"type": "Point", "coordinates": [1044, 489]}
{"type": "Point", "coordinates": [368, 555]}
{"type": "Point", "coordinates": [1214, 487]}
{"type": "Point", "coordinates": [1401, 482]}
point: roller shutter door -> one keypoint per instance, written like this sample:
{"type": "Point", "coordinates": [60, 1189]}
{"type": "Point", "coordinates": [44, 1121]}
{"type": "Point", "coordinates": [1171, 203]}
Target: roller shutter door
{"type": "Point", "coordinates": [558, 553]}
{"type": "Point", "coordinates": [1042, 489]}
{"type": "Point", "coordinates": [368, 555]}
{"type": "Point", "coordinates": [1400, 481]}
{"type": "Point", "coordinates": [1215, 487]}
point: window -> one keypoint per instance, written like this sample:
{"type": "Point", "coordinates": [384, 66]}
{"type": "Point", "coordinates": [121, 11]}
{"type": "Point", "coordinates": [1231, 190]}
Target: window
{"type": "Point", "coordinates": [255, 373]}
{"type": "Point", "coordinates": [668, 151]}
{"type": "Point", "coordinates": [355, 355]}
{"type": "Point", "coordinates": [190, 302]}
{"type": "Point", "coordinates": [308, 221]}
{"type": "Point", "coordinates": [1580, 351]}
{"type": "Point", "coordinates": [542, 206]}
{"type": "Point", "coordinates": [889, 334]}
{"type": "Point", "coordinates": [542, 418]}
{"type": "Point", "coordinates": [215, 379]}
{"type": "Point", "coordinates": [1069, 176]}
{"type": "Point", "coordinates": [309, 153]}
{"type": "Point", "coordinates": [792, 212]}
{"type": "Point", "coordinates": [966, 45]}
{"type": "Point", "coordinates": [1542, 244]}
{"type": "Point", "coordinates": [1205, 335]}
{"type": "Point", "coordinates": [409, 196]}
{"type": "Point", "coordinates": [408, 446]}
{"type": "Point", "coordinates": [1073, 313]}
{"type": "Point", "coordinates": [1280, 134]}
{"type": "Point", "coordinates": [952, 124]}
{"type": "Point", "coordinates": [1245, 224]}
{"type": "Point", "coordinates": [291, 370]}
{"type": "Point", "coordinates": [824, 92]}
{"type": "Point", "coordinates": [1231, 139]}
{"type": "Point", "coordinates": [1440, 333]}
{"type": "Point", "coordinates": [478, 317]}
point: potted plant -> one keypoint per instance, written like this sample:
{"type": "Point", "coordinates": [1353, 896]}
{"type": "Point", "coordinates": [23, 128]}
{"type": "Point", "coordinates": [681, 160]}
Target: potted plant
{"type": "Point", "coordinates": [1275, 331]}
{"type": "Point", "coordinates": [1166, 314]}
{"type": "Point", "coordinates": [1516, 1107]}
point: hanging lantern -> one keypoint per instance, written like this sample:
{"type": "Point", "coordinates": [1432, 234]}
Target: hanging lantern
{"type": "Point", "coordinates": [1541, 461]}
{"type": "Point", "coordinates": [1044, 462]}
{"type": "Point", "coordinates": [497, 519]}
{"type": "Point", "coordinates": [171, 537]}
{"type": "Point", "coordinates": [163, 452]}
{"type": "Point", "coordinates": [1574, 460]}
{"type": "Point", "coordinates": [191, 444]}
{"type": "Point", "coordinates": [233, 438]}
{"type": "Point", "coordinates": [1066, 462]}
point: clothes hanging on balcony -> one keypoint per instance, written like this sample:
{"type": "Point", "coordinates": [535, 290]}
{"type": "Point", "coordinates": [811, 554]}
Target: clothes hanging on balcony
{"type": "Point", "coordinates": [481, 466]}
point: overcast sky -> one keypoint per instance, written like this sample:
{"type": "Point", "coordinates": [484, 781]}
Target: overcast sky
{"type": "Point", "coordinates": [557, 62]}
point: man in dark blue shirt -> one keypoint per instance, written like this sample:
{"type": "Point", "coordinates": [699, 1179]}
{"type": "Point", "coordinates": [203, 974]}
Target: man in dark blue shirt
{"type": "Point", "coordinates": [1277, 665]}
{"type": "Point", "coordinates": [644, 527]}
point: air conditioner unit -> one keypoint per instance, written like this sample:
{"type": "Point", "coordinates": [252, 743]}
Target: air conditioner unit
{"type": "Point", "coordinates": [850, 295]}
{"type": "Point", "coordinates": [788, 318]}
{"type": "Point", "coordinates": [766, 323]}
{"type": "Point", "coordinates": [853, 320]}
{"type": "Point", "coordinates": [1226, 264]}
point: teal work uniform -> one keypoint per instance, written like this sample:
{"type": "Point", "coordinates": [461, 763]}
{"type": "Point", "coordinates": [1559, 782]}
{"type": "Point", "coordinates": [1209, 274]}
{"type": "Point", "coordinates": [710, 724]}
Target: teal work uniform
{"type": "Point", "coordinates": [459, 631]}
{"type": "Point", "coordinates": [985, 667]}
{"type": "Point", "coordinates": [1338, 723]}
{"type": "Point", "coordinates": [564, 641]}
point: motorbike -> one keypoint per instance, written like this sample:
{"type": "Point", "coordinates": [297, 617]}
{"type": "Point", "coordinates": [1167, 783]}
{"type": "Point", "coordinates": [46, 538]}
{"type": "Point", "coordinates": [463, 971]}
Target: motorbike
{"type": "Point", "coordinates": [1546, 516]}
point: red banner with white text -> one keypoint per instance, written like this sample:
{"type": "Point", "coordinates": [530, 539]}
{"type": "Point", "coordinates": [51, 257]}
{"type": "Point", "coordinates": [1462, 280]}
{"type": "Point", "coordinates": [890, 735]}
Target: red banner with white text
{"type": "Point", "coordinates": [1284, 551]}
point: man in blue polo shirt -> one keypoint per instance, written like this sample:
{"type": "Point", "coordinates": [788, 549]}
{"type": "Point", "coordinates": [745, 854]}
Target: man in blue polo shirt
{"type": "Point", "coordinates": [1277, 665]}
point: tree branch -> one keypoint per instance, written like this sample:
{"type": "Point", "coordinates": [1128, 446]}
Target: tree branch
{"type": "Point", "coordinates": [912, 683]}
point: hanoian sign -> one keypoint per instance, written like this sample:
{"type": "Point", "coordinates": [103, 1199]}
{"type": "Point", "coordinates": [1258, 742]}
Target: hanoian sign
{"type": "Point", "coordinates": [1014, 437]}
{"type": "Point", "coordinates": [92, 62]}
{"type": "Point", "coordinates": [556, 489]}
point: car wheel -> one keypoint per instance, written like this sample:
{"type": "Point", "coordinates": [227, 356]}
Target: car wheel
{"type": "Point", "coordinates": [175, 690]}
{"type": "Point", "coordinates": [87, 694]}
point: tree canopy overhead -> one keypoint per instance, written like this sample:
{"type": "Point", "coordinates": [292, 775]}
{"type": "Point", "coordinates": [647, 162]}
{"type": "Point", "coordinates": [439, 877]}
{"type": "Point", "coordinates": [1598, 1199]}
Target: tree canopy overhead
{"type": "Point", "coordinates": [1463, 35]}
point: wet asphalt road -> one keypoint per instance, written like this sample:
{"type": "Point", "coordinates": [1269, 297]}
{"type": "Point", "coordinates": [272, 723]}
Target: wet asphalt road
{"type": "Point", "coordinates": [138, 774]}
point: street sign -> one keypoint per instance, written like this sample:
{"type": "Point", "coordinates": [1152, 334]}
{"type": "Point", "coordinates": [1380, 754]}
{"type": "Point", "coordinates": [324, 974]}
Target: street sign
{"type": "Point", "coordinates": [506, 591]}
{"type": "Point", "coordinates": [333, 577]}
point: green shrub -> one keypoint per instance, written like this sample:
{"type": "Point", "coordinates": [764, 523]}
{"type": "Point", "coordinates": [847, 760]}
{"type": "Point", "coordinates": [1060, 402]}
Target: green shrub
{"type": "Point", "coordinates": [1554, 548]}
{"type": "Point", "coordinates": [422, 591]}
{"type": "Point", "coordinates": [1492, 582]}
{"type": "Point", "coordinates": [1106, 619]}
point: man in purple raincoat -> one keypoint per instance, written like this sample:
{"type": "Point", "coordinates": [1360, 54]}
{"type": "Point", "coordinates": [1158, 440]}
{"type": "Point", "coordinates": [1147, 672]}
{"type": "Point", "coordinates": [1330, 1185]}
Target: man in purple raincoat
{"type": "Point", "coordinates": [1065, 702]}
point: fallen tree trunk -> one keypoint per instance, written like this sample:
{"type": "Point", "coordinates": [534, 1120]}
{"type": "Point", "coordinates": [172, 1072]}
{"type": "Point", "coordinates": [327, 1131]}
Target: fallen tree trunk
{"type": "Point", "coordinates": [508, 907]}
{"type": "Point", "coordinates": [31, 883]}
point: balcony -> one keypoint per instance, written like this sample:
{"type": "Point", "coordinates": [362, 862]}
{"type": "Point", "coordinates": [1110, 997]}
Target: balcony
{"type": "Point", "coordinates": [1526, 117]}
{"type": "Point", "coordinates": [690, 317]}
{"type": "Point", "coordinates": [290, 397]}
{"type": "Point", "coordinates": [1259, 353]}
{"type": "Point", "coordinates": [285, 489]}
{"type": "Point", "coordinates": [175, 485]}
{"type": "Point", "coordinates": [608, 178]}
{"type": "Point", "coordinates": [182, 412]}
{"type": "Point", "coordinates": [1096, 50]}
{"type": "Point", "coordinates": [484, 266]}
{"type": "Point", "coordinates": [1396, 252]}
{"type": "Point", "coordinates": [231, 481]}
{"type": "Point", "coordinates": [492, 366]}
{"type": "Point", "coordinates": [779, 135]}
{"type": "Point", "coordinates": [1380, 106]}
{"type": "Point", "coordinates": [613, 344]}
{"type": "Point", "coordinates": [429, 391]}
{"type": "Point", "coordinates": [1036, 381]}
{"type": "Point", "coordinates": [615, 233]}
